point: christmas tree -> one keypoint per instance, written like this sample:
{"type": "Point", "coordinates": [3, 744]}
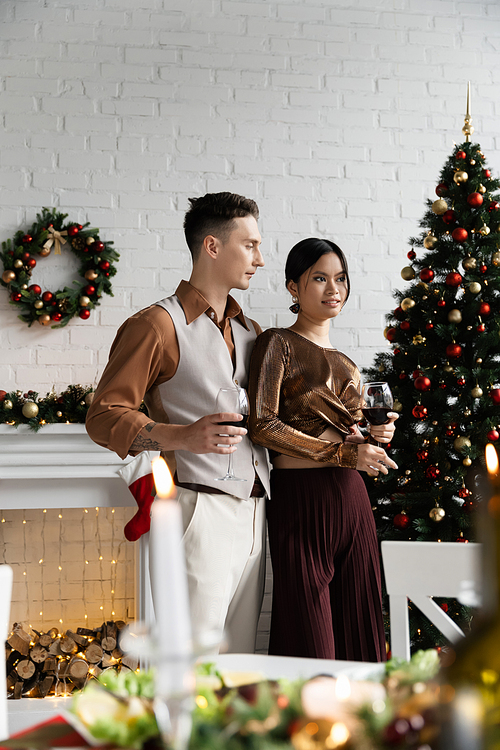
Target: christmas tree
{"type": "Point", "coordinates": [444, 365]}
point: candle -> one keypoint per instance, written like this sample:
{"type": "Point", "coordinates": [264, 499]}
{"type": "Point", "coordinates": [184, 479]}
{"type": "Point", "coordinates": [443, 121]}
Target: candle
{"type": "Point", "coordinates": [172, 633]}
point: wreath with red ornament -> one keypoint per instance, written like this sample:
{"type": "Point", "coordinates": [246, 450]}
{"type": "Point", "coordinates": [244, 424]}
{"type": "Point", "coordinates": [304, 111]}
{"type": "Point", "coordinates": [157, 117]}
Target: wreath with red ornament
{"type": "Point", "coordinates": [51, 232]}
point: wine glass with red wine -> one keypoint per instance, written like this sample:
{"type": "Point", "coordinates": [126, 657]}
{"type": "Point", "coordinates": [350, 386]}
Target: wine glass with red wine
{"type": "Point", "coordinates": [377, 402]}
{"type": "Point", "coordinates": [233, 400]}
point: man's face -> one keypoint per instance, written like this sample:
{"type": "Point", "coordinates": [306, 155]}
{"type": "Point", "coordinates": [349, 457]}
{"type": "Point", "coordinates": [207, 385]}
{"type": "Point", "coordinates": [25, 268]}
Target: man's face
{"type": "Point", "coordinates": [240, 256]}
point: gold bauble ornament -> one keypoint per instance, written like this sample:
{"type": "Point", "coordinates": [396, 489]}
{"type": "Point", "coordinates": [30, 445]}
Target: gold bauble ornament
{"type": "Point", "coordinates": [439, 207]}
{"type": "Point", "coordinates": [90, 240]}
{"type": "Point", "coordinates": [8, 276]}
{"type": "Point", "coordinates": [397, 406]}
{"type": "Point", "coordinates": [58, 413]}
{"type": "Point", "coordinates": [84, 301]}
{"type": "Point", "coordinates": [90, 275]}
{"type": "Point", "coordinates": [472, 161]}
{"type": "Point", "coordinates": [495, 258]}
{"type": "Point", "coordinates": [461, 443]}
{"type": "Point", "coordinates": [476, 392]}
{"type": "Point", "coordinates": [44, 251]}
{"type": "Point", "coordinates": [29, 410]}
{"type": "Point", "coordinates": [430, 241]}
{"type": "Point", "coordinates": [7, 404]}
{"type": "Point", "coordinates": [38, 304]}
{"type": "Point", "coordinates": [44, 320]}
{"type": "Point", "coordinates": [407, 273]}
{"type": "Point", "coordinates": [455, 316]}
{"type": "Point", "coordinates": [437, 514]}
{"type": "Point", "coordinates": [469, 263]}
{"type": "Point", "coordinates": [407, 303]}
{"type": "Point", "coordinates": [481, 189]}
{"type": "Point", "coordinates": [18, 263]}
{"type": "Point", "coordinates": [467, 461]}
{"type": "Point", "coordinates": [475, 287]}
{"type": "Point", "coordinates": [460, 177]}
{"type": "Point", "coordinates": [419, 339]}
{"type": "Point", "coordinates": [484, 230]}
{"type": "Point", "coordinates": [479, 360]}
{"type": "Point", "coordinates": [89, 398]}
{"type": "Point", "coordinates": [24, 286]}
{"type": "Point", "coordinates": [448, 368]}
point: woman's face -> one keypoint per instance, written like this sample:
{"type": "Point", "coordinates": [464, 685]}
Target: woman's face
{"type": "Point", "coordinates": [322, 289]}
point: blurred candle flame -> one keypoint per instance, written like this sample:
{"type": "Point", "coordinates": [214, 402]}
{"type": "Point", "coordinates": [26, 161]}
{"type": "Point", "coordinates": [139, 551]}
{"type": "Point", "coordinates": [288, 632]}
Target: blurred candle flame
{"type": "Point", "coordinates": [342, 687]}
{"type": "Point", "coordinates": [165, 487]}
{"type": "Point", "coordinates": [491, 459]}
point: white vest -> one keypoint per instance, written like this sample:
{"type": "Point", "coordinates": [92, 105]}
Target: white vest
{"type": "Point", "coordinates": [205, 365]}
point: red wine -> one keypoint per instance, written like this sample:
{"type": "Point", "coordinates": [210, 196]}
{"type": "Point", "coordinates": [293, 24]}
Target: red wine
{"type": "Point", "coordinates": [243, 422]}
{"type": "Point", "coordinates": [376, 414]}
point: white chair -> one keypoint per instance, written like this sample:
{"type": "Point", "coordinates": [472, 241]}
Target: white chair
{"type": "Point", "coordinates": [5, 598]}
{"type": "Point", "coordinates": [421, 570]}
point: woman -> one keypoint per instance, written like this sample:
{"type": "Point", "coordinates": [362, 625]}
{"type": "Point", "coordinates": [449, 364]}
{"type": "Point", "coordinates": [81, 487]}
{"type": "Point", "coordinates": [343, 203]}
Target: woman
{"type": "Point", "coordinates": [305, 404]}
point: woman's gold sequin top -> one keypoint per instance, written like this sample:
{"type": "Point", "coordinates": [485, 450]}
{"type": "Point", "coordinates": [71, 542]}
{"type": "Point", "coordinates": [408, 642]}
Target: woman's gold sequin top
{"type": "Point", "coordinates": [297, 389]}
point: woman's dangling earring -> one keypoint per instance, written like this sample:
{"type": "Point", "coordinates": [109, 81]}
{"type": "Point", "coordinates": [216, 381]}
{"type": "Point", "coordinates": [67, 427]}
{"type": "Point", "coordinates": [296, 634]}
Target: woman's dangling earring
{"type": "Point", "coordinates": [295, 307]}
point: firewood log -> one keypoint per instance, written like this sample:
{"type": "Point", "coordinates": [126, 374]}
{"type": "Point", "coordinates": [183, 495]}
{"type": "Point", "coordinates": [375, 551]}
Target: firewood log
{"type": "Point", "coordinates": [93, 653]}
{"type": "Point", "coordinates": [19, 640]}
{"type": "Point", "coordinates": [38, 654]}
{"type": "Point", "coordinates": [130, 662]}
{"type": "Point", "coordinates": [25, 669]}
{"type": "Point", "coordinates": [79, 639]}
{"type": "Point", "coordinates": [67, 645]}
{"type": "Point", "coordinates": [108, 643]}
{"type": "Point", "coordinates": [50, 664]}
{"type": "Point", "coordinates": [45, 685]}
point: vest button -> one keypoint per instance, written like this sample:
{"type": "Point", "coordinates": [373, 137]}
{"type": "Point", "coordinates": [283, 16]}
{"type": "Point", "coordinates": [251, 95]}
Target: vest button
{"type": "Point", "coordinates": [236, 382]}
{"type": "Point", "coordinates": [256, 463]}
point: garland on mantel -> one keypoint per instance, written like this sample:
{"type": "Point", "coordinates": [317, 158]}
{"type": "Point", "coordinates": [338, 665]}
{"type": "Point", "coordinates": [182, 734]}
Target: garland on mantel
{"type": "Point", "coordinates": [28, 408]}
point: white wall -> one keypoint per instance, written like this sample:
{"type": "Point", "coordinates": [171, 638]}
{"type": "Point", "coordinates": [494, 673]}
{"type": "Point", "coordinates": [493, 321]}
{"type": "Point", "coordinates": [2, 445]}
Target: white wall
{"type": "Point", "coordinates": [335, 115]}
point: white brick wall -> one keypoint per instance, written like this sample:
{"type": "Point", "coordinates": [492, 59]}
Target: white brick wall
{"type": "Point", "coordinates": [335, 115]}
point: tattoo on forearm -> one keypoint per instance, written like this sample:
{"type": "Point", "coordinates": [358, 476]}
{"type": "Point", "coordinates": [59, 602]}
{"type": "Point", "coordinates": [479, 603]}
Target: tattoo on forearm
{"type": "Point", "coordinates": [143, 443]}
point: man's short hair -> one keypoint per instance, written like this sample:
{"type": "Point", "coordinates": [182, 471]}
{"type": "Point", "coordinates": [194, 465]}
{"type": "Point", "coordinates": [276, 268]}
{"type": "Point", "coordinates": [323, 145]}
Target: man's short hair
{"type": "Point", "coordinates": [214, 213]}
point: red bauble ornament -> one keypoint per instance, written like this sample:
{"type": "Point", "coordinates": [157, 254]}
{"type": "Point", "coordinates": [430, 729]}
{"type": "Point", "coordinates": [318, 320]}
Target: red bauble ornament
{"type": "Point", "coordinates": [442, 385]}
{"type": "Point", "coordinates": [463, 492]}
{"type": "Point", "coordinates": [16, 296]}
{"type": "Point", "coordinates": [461, 381]}
{"type": "Point", "coordinates": [460, 155]}
{"type": "Point", "coordinates": [486, 172]}
{"type": "Point", "coordinates": [449, 216]}
{"type": "Point", "coordinates": [31, 262]}
{"type": "Point", "coordinates": [25, 256]}
{"type": "Point", "coordinates": [493, 436]}
{"type": "Point", "coordinates": [401, 521]}
{"type": "Point", "coordinates": [27, 238]}
{"type": "Point", "coordinates": [481, 328]}
{"type": "Point", "coordinates": [483, 267]}
{"type": "Point", "coordinates": [98, 246]}
{"type": "Point", "coordinates": [441, 303]}
{"type": "Point", "coordinates": [462, 539]}
{"type": "Point", "coordinates": [432, 472]}
{"type": "Point", "coordinates": [426, 274]}
{"type": "Point", "coordinates": [47, 296]}
{"type": "Point", "coordinates": [468, 506]}
{"type": "Point", "coordinates": [460, 234]}
{"type": "Point", "coordinates": [453, 351]}
{"type": "Point", "coordinates": [494, 206]}
{"type": "Point", "coordinates": [453, 279]}
{"type": "Point", "coordinates": [403, 376]}
{"type": "Point", "coordinates": [391, 334]}
{"type": "Point", "coordinates": [89, 290]}
{"type": "Point", "coordinates": [422, 383]}
{"type": "Point", "coordinates": [56, 317]}
{"type": "Point", "coordinates": [419, 411]}
{"type": "Point", "coordinates": [35, 289]}
{"type": "Point", "coordinates": [397, 351]}
{"type": "Point", "coordinates": [429, 326]}
{"type": "Point", "coordinates": [72, 231]}
{"type": "Point", "coordinates": [441, 189]}
{"type": "Point", "coordinates": [399, 313]}
{"type": "Point", "coordinates": [484, 308]}
{"type": "Point", "coordinates": [422, 455]}
{"type": "Point", "coordinates": [405, 325]}
{"type": "Point", "coordinates": [84, 313]}
{"type": "Point", "coordinates": [416, 374]}
{"type": "Point", "coordinates": [411, 255]}
{"type": "Point", "coordinates": [475, 199]}
{"type": "Point", "coordinates": [495, 395]}
{"type": "Point", "coordinates": [444, 607]}
{"type": "Point", "coordinates": [104, 264]}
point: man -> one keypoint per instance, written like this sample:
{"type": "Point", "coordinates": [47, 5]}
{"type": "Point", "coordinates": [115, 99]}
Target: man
{"type": "Point", "coordinates": [176, 355]}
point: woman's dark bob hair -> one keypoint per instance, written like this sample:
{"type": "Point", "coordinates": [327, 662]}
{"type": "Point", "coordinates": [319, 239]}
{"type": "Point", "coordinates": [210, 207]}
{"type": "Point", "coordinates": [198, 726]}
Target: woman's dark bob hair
{"type": "Point", "coordinates": [306, 253]}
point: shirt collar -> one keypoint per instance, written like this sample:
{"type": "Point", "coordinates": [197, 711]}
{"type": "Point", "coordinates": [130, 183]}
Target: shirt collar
{"type": "Point", "coordinates": [194, 304]}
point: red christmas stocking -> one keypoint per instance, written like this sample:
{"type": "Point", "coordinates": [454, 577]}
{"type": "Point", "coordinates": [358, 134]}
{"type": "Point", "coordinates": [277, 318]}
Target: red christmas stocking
{"type": "Point", "coordinates": [143, 489]}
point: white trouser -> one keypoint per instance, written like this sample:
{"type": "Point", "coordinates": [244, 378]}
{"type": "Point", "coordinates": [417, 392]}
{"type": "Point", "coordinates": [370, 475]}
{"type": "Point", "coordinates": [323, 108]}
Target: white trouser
{"type": "Point", "coordinates": [224, 542]}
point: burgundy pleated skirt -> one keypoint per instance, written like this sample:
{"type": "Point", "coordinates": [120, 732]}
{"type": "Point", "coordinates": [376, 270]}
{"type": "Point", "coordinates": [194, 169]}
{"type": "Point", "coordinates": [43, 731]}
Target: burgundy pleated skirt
{"type": "Point", "coordinates": [326, 569]}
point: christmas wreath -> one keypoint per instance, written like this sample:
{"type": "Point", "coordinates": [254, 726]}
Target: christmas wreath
{"type": "Point", "coordinates": [51, 231]}
{"type": "Point", "coordinates": [70, 406]}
